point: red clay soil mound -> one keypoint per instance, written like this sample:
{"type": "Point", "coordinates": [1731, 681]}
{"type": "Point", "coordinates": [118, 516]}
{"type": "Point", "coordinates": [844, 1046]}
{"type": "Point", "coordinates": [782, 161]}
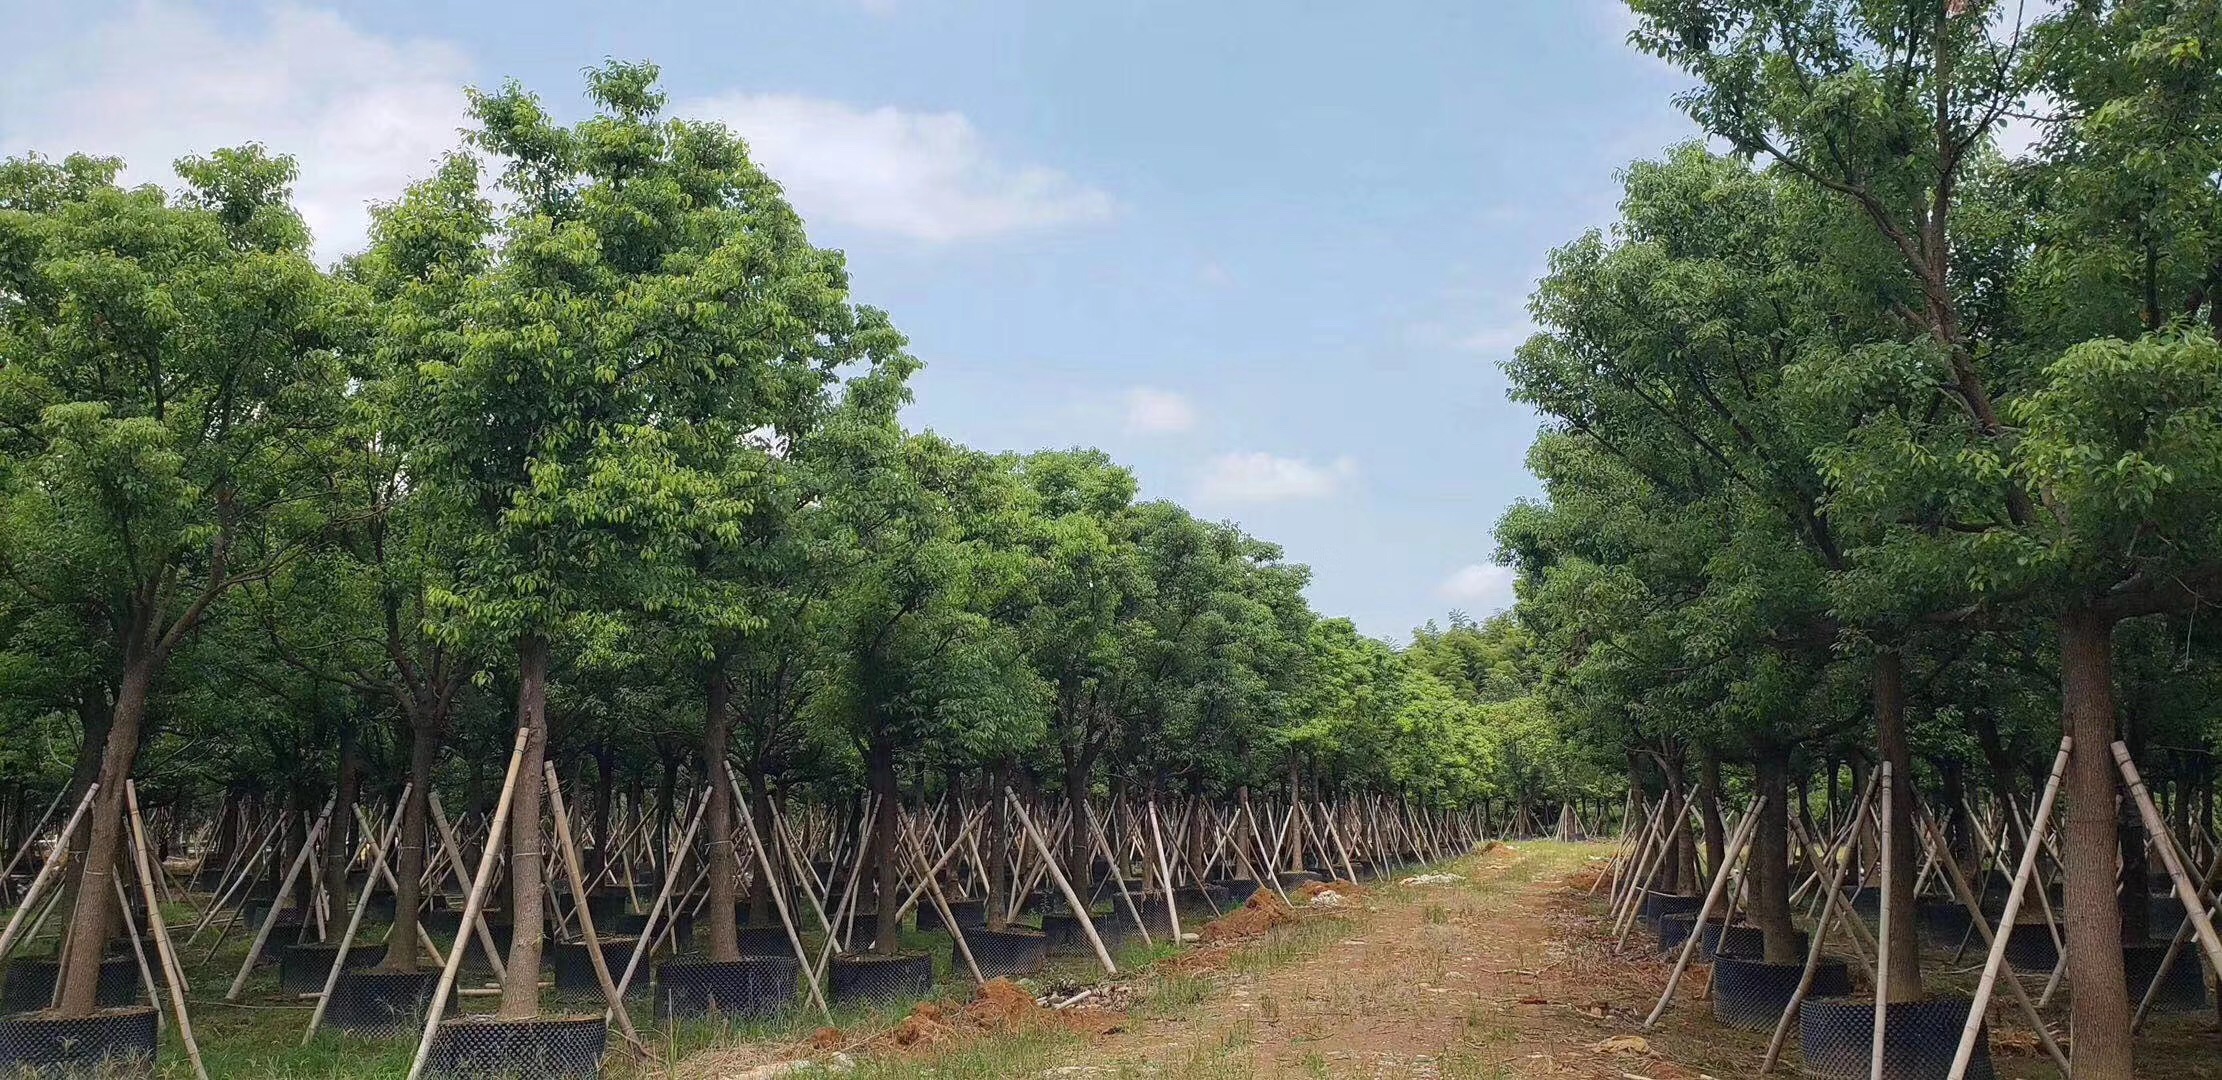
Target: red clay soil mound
{"type": "Point", "coordinates": [1262, 912]}
{"type": "Point", "coordinates": [1000, 1008]}
{"type": "Point", "coordinates": [1349, 890]}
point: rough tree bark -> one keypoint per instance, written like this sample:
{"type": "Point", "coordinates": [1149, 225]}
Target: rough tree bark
{"type": "Point", "coordinates": [717, 821]}
{"type": "Point", "coordinates": [1890, 739]}
{"type": "Point", "coordinates": [520, 992]}
{"type": "Point", "coordinates": [2092, 920]}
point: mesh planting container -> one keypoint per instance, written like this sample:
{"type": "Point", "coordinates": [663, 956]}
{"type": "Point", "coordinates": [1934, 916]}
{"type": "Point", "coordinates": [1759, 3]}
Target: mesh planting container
{"type": "Point", "coordinates": [880, 980]}
{"type": "Point", "coordinates": [1919, 1039]}
{"type": "Point", "coordinates": [772, 940]}
{"type": "Point", "coordinates": [2182, 989]}
{"type": "Point", "coordinates": [1750, 994]}
{"type": "Point", "coordinates": [574, 966]}
{"type": "Point", "coordinates": [1675, 928]}
{"type": "Point", "coordinates": [381, 1004]}
{"type": "Point", "coordinates": [29, 985]}
{"type": "Point", "coordinates": [112, 1044]}
{"type": "Point", "coordinates": [2030, 948]}
{"type": "Point", "coordinates": [1743, 939]}
{"type": "Point", "coordinates": [302, 968]}
{"type": "Point", "coordinates": [1003, 953]}
{"type": "Point", "coordinates": [606, 904]}
{"type": "Point", "coordinates": [1066, 938]}
{"type": "Point", "coordinates": [635, 924]}
{"type": "Point", "coordinates": [966, 912]}
{"type": "Point", "coordinates": [2167, 916]}
{"type": "Point", "coordinates": [1943, 922]}
{"type": "Point", "coordinates": [754, 986]}
{"type": "Point", "coordinates": [542, 1048]}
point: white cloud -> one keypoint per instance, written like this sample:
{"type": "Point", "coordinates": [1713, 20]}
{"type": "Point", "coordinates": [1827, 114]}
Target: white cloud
{"type": "Point", "coordinates": [1482, 588]}
{"type": "Point", "coordinates": [363, 114]}
{"type": "Point", "coordinates": [1158, 411]}
{"type": "Point", "coordinates": [923, 175]}
{"type": "Point", "coordinates": [1263, 477]}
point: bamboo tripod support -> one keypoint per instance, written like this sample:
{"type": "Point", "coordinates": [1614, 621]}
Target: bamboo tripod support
{"type": "Point", "coordinates": [473, 904]}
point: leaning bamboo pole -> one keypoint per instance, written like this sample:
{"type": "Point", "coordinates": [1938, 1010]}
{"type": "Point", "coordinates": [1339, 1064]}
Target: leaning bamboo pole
{"type": "Point", "coordinates": [1972, 1029]}
{"type": "Point", "coordinates": [45, 878]}
{"type": "Point", "coordinates": [474, 902]}
{"type": "Point", "coordinates": [355, 920]}
{"type": "Point", "coordinates": [1744, 830]}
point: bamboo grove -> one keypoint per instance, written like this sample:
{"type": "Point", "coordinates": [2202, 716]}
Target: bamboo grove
{"type": "Point", "coordinates": [1885, 440]}
{"type": "Point", "coordinates": [575, 515]}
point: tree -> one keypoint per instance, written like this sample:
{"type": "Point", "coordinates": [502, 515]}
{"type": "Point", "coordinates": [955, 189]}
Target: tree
{"type": "Point", "coordinates": [171, 384]}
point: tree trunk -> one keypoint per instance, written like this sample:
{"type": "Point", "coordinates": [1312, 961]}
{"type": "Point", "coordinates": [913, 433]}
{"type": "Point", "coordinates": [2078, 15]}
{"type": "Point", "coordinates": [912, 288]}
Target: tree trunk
{"type": "Point", "coordinates": [1890, 738]}
{"type": "Point", "coordinates": [1079, 852]}
{"type": "Point", "coordinates": [995, 844]}
{"type": "Point", "coordinates": [337, 848]}
{"type": "Point", "coordinates": [1295, 823]}
{"type": "Point", "coordinates": [1770, 897]}
{"type": "Point", "coordinates": [760, 909]}
{"type": "Point", "coordinates": [717, 733]}
{"type": "Point", "coordinates": [92, 913]}
{"type": "Point", "coordinates": [884, 941]}
{"type": "Point", "coordinates": [2092, 926]}
{"type": "Point", "coordinates": [402, 949]}
{"type": "Point", "coordinates": [1709, 809]}
{"type": "Point", "coordinates": [605, 793]}
{"type": "Point", "coordinates": [520, 992]}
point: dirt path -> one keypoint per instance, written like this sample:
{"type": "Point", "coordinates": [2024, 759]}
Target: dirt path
{"type": "Point", "coordinates": [1475, 978]}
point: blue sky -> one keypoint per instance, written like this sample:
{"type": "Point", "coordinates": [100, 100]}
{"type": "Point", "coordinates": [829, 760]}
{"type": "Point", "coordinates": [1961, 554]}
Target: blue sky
{"type": "Point", "coordinates": [1267, 254]}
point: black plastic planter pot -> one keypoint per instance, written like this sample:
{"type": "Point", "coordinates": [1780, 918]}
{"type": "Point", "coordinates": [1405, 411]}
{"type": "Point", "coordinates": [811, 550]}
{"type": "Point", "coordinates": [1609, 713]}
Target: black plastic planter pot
{"type": "Point", "coordinates": [1660, 904]}
{"type": "Point", "coordinates": [967, 912]}
{"type": "Point", "coordinates": [1066, 938]}
{"type": "Point", "coordinates": [2183, 989]}
{"type": "Point", "coordinates": [1742, 939]}
{"type": "Point", "coordinates": [2167, 916]}
{"type": "Point", "coordinates": [29, 984]}
{"type": "Point", "coordinates": [301, 968]}
{"type": "Point", "coordinates": [636, 923]}
{"type": "Point", "coordinates": [1867, 904]}
{"type": "Point", "coordinates": [381, 1004]}
{"type": "Point", "coordinates": [1750, 994]}
{"type": "Point", "coordinates": [1943, 922]}
{"type": "Point", "coordinates": [574, 966]}
{"type": "Point", "coordinates": [1297, 879]}
{"type": "Point", "coordinates": [754, 986]}
{"type": "Point", "coordinates": [880, 980]}
{"type": "Point", "coordinates": [1002, 953]}
{"type": "Point", "coordinates": [1837, 1035]}
{"type": "Point", "coordinates": [772, 940]}
{"type": "Point", "coordinates": [1675, 928]}
{"type": "Point", "coordinates": [543, 1048]}
{"type": "Point", "coordinates": [112, 1044]}
{"type": "Point", "coordinates": [606, 904]}
{"type": "Point", "coordinates": [2030, 949]}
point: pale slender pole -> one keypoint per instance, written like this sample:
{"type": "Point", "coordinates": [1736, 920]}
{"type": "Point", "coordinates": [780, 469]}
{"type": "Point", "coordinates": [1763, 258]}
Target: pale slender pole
{"type": "Point", "coordinates": [1735, 849]}
{"type": "Point", "coordinates": [1977, 921]}
{"type": "Point", "coordinates": [2175, 948]}
{"type": "Point", "coordinates": [454, 848]}
{"type": "Point", "coordinates": [663, 893]}
{"type": "Point", "coordinates": [1882, 933]}
{"type": "Point", "coordinates": [1096, 828]}
{"type": "Point", "coordinates": [779, 895]}
{"type": "Point", "coordinates": [2194, 909]}
{"type": "Point", "coordinates": [270, 919]}
{"type": "Point", "coordinates": [473, 903]}
{"type": "Point", "coordinates": [1165, 871]}
{"type": "Point", "coordinates": [1996, 960]}
{"type": "Point", "coordinates": [576, 873]}
{"type": "Point", "coordinates": [382, 842]}
{"type": "Point", "coordinates": [46, 873]}
{"type": "Point", "coordinates": [1079, 906]}
{"type": "Point", "coordinates": [171, 969]}
{"type": "Point", "coordinates": [1805, 978]}
{"type": "Point", "coordinates": [31, 838]}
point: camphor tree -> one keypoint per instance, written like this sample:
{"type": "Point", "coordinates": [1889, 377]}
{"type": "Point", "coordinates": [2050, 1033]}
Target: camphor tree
{"type": "Point", "coordinates": [169, 391]}
{"type": "Point", "coordinates": [581, 400]}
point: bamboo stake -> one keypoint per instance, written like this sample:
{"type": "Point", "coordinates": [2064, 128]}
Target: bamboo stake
{"type": "Point", "coordinates": [1079, 907]}
{"type": "Point", "coordinates": [31, 839]}
{"type": "Point", "coordinates": [383, 842]}
{"type": "Point", "coordinates": [779, 897]}
{"type": "Point", "coordinates": [1805, 978]}
{"type": "Point", "coordinates": [270, 919]}
{"type": "Point", "coordinates": [2194, 910]}
{"type": "Point", "coordinates": [1165, 871]}
{"type": "Point", "coordinates": [2175, 948]}
{"type": "Point", "coordinates": [1977, 920]}
{"type": "Point", "coordinates": [663, 894]}
{"type": "Point", "coordinates": [1977, 1008]}
{"type": "Point", "coordinates": [454, 848]}
{"type": "Point", "coordinates": [1133, 911]}
{"type": "Point", "coordinates": [1735, 849]}
{"type": "Point", "coordinates": [474, 902]}
{"type": "Point", "coordinates": [45, 878]}
{"type": "Point", "coordinates": [575, 872]}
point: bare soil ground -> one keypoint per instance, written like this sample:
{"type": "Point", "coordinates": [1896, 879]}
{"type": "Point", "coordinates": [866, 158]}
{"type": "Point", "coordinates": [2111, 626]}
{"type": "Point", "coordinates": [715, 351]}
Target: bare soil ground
{"type": "Point", "coordinates": [1504, 973]}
